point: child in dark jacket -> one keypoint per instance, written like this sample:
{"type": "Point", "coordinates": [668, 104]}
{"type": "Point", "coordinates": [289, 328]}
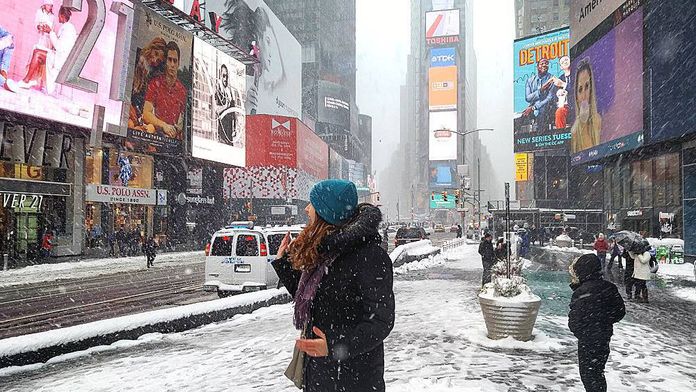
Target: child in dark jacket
{"type": "Point", "coordinates": [594, 307]}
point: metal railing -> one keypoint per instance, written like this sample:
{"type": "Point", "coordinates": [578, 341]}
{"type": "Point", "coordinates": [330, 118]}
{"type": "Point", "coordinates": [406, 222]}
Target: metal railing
{"type": "Point", "coordinates": [455, 243]}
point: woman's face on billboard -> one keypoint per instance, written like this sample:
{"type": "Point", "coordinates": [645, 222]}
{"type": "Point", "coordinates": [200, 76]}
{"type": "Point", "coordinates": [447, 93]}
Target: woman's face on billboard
{"type": "Point", "coordinates": [156, 57]}
{"type": "Point", "coordinates": [584, 86]}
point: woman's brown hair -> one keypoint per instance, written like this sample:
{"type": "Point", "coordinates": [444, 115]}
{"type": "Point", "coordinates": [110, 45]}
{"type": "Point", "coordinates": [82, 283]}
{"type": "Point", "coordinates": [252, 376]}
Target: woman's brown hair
{"type": "Point", "coordinates": [303, 251]}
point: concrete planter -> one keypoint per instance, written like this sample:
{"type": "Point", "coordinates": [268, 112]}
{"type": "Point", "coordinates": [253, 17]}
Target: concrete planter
{"type": "Point", "coordinates": [505, 318]}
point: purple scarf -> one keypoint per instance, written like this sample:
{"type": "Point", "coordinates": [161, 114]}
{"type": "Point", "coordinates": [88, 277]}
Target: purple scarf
{"type": "Point", "coordinates": [306, 290]}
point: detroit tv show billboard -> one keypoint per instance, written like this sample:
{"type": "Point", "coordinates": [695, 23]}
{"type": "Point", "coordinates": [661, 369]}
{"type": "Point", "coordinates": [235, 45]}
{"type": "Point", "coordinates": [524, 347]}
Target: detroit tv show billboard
{"type": "Point", "coordinates": [542, 80]}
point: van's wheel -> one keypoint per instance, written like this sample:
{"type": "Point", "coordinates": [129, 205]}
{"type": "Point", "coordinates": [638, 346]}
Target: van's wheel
{"type": "Point", "coordinates": [223, 294]}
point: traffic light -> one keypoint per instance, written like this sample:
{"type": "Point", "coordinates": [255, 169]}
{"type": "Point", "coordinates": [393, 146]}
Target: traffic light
{"type": "Point", "coordinates": [444, 195]}
{"type": "Point", "coordinates": [457, 196]}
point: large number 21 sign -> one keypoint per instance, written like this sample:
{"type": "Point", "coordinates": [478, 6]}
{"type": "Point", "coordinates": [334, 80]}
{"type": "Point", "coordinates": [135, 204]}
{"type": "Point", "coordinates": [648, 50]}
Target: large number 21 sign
{"type": "Point", "coordinates": [96, 17]}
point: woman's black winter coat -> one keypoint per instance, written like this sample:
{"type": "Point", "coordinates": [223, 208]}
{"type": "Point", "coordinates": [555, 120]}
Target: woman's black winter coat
{"type": "Point", "coordinates": [353, 306]}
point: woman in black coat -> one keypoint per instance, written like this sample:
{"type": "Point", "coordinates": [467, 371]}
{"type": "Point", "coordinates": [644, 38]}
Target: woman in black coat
{"type": "Point", "coordinates": [341, 282]}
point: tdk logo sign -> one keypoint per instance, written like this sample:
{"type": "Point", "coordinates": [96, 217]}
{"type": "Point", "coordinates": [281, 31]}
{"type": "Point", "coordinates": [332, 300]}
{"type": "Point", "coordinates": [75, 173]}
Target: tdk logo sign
{"type": "Point", "coordinates": [442, 57]}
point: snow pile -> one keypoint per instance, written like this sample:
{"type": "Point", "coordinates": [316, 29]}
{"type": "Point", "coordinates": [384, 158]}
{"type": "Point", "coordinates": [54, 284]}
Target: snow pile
{"type": "Point", "coordinates": [541, 342]}
{"type": "Point", "coordinates": [420, 265]}
{"type": "Point", "coordinates": [684, 271]}
{"type": "Point", "coordinates": [665, 241]}
{"type": "Point", "coordinates": [503, 285]}
{"type": "Point", "coordinates": [93, 267]}
{"type": "Point", "coordinates": [566, 250]}
{"type": "Point", "coordinates": [686, 293]}
{"type": "Point", "coordinates": [36, 341]}
{"type": "Point", "coordinates": [436, 384]}
{"type": "Point", "coordinates": [412, 248]}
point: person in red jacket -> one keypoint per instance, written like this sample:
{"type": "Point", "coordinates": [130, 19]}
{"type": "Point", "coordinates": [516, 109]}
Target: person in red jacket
{"type": "Point", "coordinates": [601, 246]}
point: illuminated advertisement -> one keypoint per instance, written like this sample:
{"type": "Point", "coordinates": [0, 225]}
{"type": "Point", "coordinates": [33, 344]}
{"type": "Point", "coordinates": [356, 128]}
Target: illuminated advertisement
{"type": "Point", "coordinates": [442, 88]}
{"type": "Point", "coordinates": [442, 27]}
{"type": "Point", "coordinates": [606, 103]}
{"type": "Point", "coordinates": [161, 71]}
{"type": "Point", "coordinates": [437, 201]}
{"type": "Point", "coordinates": [442, 141]}
{"type": "Point", "coordinates": [50, 69]}
{"type": "Point", "coordinates": [217, 113]}
{"type": "Point", "coordinates": [442, 175]}
{"type": "Point", "coordinates": [521, 166]}
{"type": "Point", "coordinates": [542, 80]}
{"type": "Point", "coordinates": [334, 104]}
{"type": "Point", "coordinates": [442, 57]}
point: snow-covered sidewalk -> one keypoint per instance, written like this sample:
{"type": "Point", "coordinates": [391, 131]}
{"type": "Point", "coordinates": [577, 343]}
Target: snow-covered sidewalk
{"type": "Point", "coordinates": [90, 268]}
{"type": "Point", "coordinates": [438, 344]}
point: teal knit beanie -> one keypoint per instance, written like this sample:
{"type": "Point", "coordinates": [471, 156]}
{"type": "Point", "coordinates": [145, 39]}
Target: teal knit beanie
{"type": "Point", "coordinates": [334, 200]}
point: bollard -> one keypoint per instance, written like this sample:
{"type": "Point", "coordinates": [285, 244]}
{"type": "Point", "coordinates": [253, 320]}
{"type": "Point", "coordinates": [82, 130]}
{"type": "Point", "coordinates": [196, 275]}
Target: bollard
{"type": "Point", "coordinates": [5, 259]}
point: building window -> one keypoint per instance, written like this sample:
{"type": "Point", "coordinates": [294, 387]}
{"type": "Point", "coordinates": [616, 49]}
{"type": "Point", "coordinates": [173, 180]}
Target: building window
{"type": "Point", "coordinates": [555, 3]}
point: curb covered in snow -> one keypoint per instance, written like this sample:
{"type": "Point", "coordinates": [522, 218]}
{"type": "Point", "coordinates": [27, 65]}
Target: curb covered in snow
{"type": "Point", "coordinates": [40, 347]}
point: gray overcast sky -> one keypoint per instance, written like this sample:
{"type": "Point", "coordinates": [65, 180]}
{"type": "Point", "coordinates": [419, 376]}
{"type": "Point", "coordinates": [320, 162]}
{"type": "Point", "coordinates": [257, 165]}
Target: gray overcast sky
{"type": "Point", "coordinates": [383, 40]}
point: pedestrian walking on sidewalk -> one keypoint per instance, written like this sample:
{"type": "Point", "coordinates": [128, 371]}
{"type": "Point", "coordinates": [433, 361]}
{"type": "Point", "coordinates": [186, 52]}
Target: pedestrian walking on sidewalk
{"type": "Point", "coordinates": [616, 252]}
{"type": "Point", "coordinates": [641, 274]}
{"type": "Point", "coordinates": [341, 282]}
{"type": "Point", "coordinates": [487, 257]}
{"type": "Point", "coordinates": [594, 308]}
{"type": "Point", "coordinates": [601, 246]}
{"type": "Point", "coordinates": [150, 250]}
{"type": "Point", "coordinates": [628, 275]}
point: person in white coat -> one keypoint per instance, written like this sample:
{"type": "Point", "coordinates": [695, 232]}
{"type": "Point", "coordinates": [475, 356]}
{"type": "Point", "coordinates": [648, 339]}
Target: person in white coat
{"type": "Point", "coordinates": [62, 43]}
{"type": "Point", "coordinates": [641, 274]}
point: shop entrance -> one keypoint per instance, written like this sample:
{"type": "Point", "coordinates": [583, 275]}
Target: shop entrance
{"type": "Point", "coordinates": [637, 225]}
{"type": "Point", "coordinates": [20, 231]}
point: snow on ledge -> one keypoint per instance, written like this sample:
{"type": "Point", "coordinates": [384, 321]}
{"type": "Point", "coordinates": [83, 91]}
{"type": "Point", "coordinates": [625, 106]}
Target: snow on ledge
{"type": "Point", "coordinates": [92, 267]}
{"type": "Point", "coordinates": [36, 341]}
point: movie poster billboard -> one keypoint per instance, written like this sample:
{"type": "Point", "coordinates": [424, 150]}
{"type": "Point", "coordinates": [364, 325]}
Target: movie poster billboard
{"type": "Point", "coordinates": [542, 80]}
{"type": "Point", "coordinates": [442, 174]}
{"type": "Point", "coordinates": [606, 103]}
{"type": "Point", "coordinates": [274, 85]}
{"type": "Point", "coordinates": [442, 88]}
{"type": "Point", "coordinates": [49, 69]}
{"type": "Point", "coordinates": [161, 72]}
{"type": "Point", "coordinates": [442, 141]}
{"type": "Point", "coordinates": [442, 27]}
{"type": "Point", "coordinates": [334, 104]}
{"type": "Point", "coordinates": [217, 106]}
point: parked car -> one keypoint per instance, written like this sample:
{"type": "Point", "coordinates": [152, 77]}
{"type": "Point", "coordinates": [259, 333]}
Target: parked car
{"type": "Point", "coordinates": [406, 235]}
{"type": "Point", "coordinates": [439, 228]}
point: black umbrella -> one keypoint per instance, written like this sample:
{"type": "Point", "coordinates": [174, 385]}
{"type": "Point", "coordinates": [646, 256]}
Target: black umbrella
{"type": "Point", "coordinates": [631, 241]}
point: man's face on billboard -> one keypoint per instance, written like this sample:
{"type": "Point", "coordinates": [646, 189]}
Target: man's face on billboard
{"type": "Point", "coordinates": [543, 66]}
{"type": "Point", "coordinates": [224, 76]}
{"type": "Point", "coordinates": [172, 63]}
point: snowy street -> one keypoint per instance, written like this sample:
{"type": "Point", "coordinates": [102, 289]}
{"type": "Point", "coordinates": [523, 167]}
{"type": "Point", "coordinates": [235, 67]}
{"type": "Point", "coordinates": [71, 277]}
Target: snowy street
{"type": "Point", "coordinates": [438, 344]}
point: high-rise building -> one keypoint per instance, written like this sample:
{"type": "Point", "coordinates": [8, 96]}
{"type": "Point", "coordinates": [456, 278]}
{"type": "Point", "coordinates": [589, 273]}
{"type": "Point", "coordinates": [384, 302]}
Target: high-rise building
{"type": "Point", "coordinates": [326, 31]}
{"type": "Point", "coordinates": [539, 16]}
{"type": "Point", "coordinates": [439, 96]}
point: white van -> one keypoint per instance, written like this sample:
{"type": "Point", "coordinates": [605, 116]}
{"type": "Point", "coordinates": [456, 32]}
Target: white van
{"type": "Point", "coordinates": [238, 258]}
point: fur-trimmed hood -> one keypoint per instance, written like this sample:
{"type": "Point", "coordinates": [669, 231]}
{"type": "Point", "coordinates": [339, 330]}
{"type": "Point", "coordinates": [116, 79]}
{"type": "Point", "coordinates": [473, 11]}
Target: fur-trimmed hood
{"type": "Point", "coordinates": [362, 229]}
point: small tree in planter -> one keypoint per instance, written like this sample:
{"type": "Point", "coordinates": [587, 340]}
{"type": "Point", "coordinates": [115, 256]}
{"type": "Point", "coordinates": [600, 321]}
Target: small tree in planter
{"type": "Point", "coordinates": [508, 305]}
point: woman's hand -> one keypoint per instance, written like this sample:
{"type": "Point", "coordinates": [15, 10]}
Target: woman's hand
{"type": "Point", "coordinates": [314, 347]}
{"type": "Point", "coordinates": [283, 248]}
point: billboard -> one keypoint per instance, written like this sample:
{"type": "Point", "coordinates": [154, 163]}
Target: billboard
{"type": "Point", "coordinates": [271, 141]}
{"type": "Point", "coordinates": [672, 104]}
{"type": "Point", "coordinates": [217, 107]}
{"type": "Point", "coordinates": [333, 104]}
{"type": "Point", "coordinates": [542, 80]}
{"type": "Point", "coordinates": [437, 201]}
{"type": "Point", "coordinates": [606, 104]}
{"type": "Point", "coordinates": [442, 174]}
{"type": "Point", "coordinates": [443, 57]}
{"type": "Point", "coordinates": [312, 152]}
{"type": "Point", "coordinates": [442, 141]}
{"type": "Point", "coordinates": [585, 15]}
{"type": "Point", "coordinates": [57, 65]}
{"type": "Point", "coordinates": [442, 27]}
{"type": "Point", "coordinates": [274, 85]}
{"type": "Point", "coordinates": [160, 68]}
{"type": "Point", "coordinates": [521, 166]}
{"type": "Point", "coordinates": [442, 88]}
